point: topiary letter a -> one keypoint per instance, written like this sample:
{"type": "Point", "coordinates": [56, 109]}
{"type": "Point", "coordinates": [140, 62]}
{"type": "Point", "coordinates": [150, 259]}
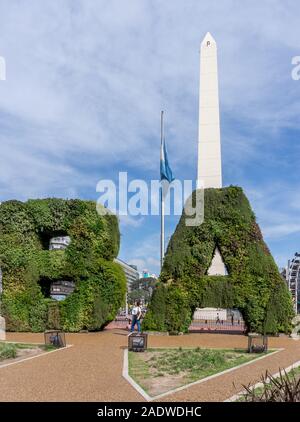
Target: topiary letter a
{"type": "Point", "coordinates": [253, 283]}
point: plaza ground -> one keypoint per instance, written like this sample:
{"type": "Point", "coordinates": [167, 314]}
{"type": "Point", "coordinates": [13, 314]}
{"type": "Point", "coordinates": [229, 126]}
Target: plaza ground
{"type": "Point", "coordinates": [91, 370]}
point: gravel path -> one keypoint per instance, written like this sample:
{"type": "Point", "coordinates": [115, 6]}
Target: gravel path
{"type": "Point", "coordinates": [91, 370]}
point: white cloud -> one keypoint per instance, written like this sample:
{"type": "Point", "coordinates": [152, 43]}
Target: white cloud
{"type": "Point", "coordinates": [140, 263]}
{"type": "Point", "coordinates": [271, 204]}
{"type": "Point", "coordinates": [93, 76]}
{"type": "Point", "coordinates": [86, 82]}
{"type": "Point", "coordinates": [127, 220]}
{"type": "Point", "coordinates": [281, 230]}
{"type": "Point", "coordinates": [144, 252]}
{"type": "Point", "coordinates": [150, 264]}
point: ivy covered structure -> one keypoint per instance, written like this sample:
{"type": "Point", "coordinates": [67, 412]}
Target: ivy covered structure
{"type": "Point", "coordinates": [29, 267]}
{"type": "Point", "coordinates": [253, 283]}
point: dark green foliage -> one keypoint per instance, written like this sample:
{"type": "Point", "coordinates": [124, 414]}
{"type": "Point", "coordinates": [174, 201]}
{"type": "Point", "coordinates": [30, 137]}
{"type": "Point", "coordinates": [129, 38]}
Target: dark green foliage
{"type": "Point", "coordinates": [96, 299]}
{"type": "Point", "coordinates": [169, 309]}
{"type": "Point", "coordinates": [178, 312]}
{"type": "Point", "coordinates": [53, 319]}
{"type": "Point", "coordinates": [253, 285]}
{"type": "Point", "coordinates": [276, 317]}
{"type": "Point", "coordinates": [156, 314]}
{"type": "Point", "coordinates": [29, 267]}
{"type": "Point", "coordinates": [218, 292]}
{"type": "Point", "coordinates": [141, 289]}
{"type": "Point", "coordinates": [282, 389]}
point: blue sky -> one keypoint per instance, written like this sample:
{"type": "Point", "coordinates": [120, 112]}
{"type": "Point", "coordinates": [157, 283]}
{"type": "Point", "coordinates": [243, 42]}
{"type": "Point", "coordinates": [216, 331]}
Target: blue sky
{"type": "Point", "coordinates": [86, 81]}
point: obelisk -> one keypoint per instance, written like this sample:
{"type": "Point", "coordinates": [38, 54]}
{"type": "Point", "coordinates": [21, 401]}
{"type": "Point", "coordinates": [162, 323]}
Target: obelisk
{"type": "Point", "coordinates": [209, 145]}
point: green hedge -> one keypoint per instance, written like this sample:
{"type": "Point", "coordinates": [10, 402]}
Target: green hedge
{"type": "Point", "coordinates": [100, 284]}
{"type": "Point", "coordinates": [253, 284]}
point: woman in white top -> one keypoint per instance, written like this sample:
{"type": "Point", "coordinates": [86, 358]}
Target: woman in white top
{"type": "Point", "coordinates": [136, 316]}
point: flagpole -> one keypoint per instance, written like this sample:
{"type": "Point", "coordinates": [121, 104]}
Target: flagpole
{"type": "Point", "coordinates": [162, 202]}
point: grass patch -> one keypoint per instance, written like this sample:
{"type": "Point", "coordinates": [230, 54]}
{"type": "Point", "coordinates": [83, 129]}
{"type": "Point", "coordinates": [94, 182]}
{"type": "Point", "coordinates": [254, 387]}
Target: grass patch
{"type": "Point", "coordinates": [8, 351]}
{"type": "Point", "coordinates": [138, 369]}
{"type": "Point", "coordinates": [21, 346]}
{"type": "Point", "coordinates": [13, 350]}
{"type": "Point", "coordinates": [48, 347]}
{"type": "Point", "coordinates": [160, 370]}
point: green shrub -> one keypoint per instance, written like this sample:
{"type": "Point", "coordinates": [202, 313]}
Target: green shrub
{"type": "Point", "coordinates": [178, 313]}
{"type": "Point", "coordinates": [253, 284]}
{"type": "Point", "coordinates": [26, 262]}
{"type": "Point", "coordinates": [156, 314]}
{"type": "Point", "coordinates": [95, 301]}
{"type": "Point", "coordinates": [7, 351]}
{"type": "Point", "coordinates": [53, 319]}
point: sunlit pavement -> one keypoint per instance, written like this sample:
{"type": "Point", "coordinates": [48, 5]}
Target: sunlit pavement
{"type": "Point", "coordinates": [91, 370]}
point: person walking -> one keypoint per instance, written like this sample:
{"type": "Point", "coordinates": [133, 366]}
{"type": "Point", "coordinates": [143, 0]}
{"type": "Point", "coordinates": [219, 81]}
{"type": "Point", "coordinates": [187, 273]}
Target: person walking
{"type": "Point", "coordinates": [136, 316]}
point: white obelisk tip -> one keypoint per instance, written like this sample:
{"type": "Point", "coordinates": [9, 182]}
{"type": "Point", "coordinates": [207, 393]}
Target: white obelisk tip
{"type": "Point", "coordinates": [208, 40]}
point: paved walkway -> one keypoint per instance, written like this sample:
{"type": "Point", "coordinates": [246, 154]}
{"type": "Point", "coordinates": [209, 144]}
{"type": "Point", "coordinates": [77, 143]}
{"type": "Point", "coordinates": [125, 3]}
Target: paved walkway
{"type": "Point", "coordinates": [196, 326]}
{"type": "Point", "coordinates": [91, 370]}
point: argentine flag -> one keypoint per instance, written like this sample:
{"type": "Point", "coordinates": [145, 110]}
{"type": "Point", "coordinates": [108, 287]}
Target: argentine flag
{"type": "Point", "coordinates": [165, 170]}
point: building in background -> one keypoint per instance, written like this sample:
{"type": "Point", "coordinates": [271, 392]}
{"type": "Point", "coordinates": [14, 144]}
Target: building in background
{"type": "Point", "coordinates": [146, 274]}
{"type": "Point", "coordinates": [131, 272]}
{"type": "Point", "coordinates": [142, 288]}
{"type": "Point", "coordinates": [60, 289]}
{"type": "Point", "coordinates": [132, 275]}
{"type": "Point", "coordinates": [57, 243]}
{"type": "Point", "coordinates": [292, 277]}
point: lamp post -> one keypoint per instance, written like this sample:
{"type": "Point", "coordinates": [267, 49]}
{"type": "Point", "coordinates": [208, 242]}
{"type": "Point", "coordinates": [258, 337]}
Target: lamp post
{"type": "Point", "coordinates": [126, 303]}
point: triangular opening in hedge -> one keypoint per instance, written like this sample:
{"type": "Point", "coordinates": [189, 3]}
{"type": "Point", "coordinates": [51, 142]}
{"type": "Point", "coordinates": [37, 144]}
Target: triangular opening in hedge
{"type": "Point", "coordinates": [217, 265]}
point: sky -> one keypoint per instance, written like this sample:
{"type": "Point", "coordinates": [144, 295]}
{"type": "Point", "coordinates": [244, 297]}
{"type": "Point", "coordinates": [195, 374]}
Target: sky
{"type": "Point", "coordinates": [86, 81]}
